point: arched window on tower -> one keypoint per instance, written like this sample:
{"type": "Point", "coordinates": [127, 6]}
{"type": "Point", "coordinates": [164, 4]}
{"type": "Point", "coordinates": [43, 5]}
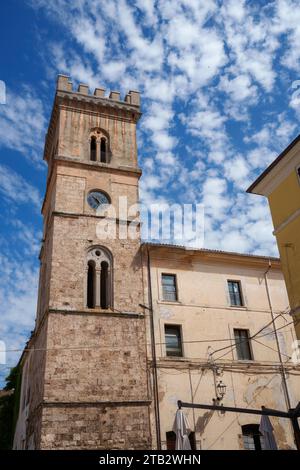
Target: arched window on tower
{"type": "Point", "coordinates": [99, 147]}
{"type": "Point", "coordinates": [91, 278]}
{"type": "Point", "coordinates": [103, 150]}
{"type": "Point", "coordinates": [93, 150]}
{"type": "Point", "coordinates": [99, 278]}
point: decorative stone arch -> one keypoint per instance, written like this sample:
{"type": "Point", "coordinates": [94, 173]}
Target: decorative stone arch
{"type": "Point", "coordinates": [99, 278]}
{"type": "Point", "coordinates": [99, 145]}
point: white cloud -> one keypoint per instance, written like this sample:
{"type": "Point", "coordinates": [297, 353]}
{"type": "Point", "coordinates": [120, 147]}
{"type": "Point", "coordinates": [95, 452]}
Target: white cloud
{"type": "Point", "coordinates": [235, 10]}
{"type": "Point", "coordinates": [167, 158]}
{"type": "Point", "coordinates": [287, 21]}
{"type": "Point", "coordinates": [148, 8]}
{"type": "Point", "coordinates": [270, 140]}
{"type": "Point", "coordinates": [215, 198]}
{"type": "Point", "coordinates": [206, 124]}
{"type": "Point", "coordinates": [157, 118]}
{"type": "Point", "coordinates": [14, 188]}
{"type": "Point", "coordinates": [261, 157]}
{"type": "Point", "coordinates": [22, 125]}
{"type": "Point", "coordinates": [163, 141]}
{"type": "Point", "coordinates": [237, 170]}
{"type": "Point", "coordinates": [18, 293]}
{"type": "Point", "coordinates": [182, 32]}
{"type": "Point", "coordinates": [89, 33]}
{"type": "Point", "coordinates": [202, 68]}
{"type": "Point", "coordinates": [28, 236]}
{"type": "Point", "coordinates": [239, 88]}
{"type": "Point", "coordinates": [247, 227]}
{"type": "Point", "coordinates": [199, 53]}
{"type": "Point", "coordinates": [159, 89]}
{"type": "Point", "coordinates": [251, 44]}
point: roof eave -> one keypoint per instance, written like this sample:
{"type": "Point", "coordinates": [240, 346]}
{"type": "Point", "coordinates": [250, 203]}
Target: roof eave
{"type": "Point", "coordinates": [272, 165]}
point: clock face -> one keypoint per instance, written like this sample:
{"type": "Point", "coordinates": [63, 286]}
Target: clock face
{"type": "Point", "coordinates": [97, 199]}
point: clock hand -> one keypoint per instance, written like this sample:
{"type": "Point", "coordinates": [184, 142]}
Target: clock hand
{"type": "Point", "coordinates": [97, 200]}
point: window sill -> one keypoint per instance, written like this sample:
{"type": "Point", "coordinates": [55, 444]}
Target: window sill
{"type": "Point", "coordinates": [174, 358]}
{"type": "Point", "coordinates": [98, 309]}
{"type": "Point", "coordinates": [245, 361]}
{"type": "Point", "coordinates": [169, 302]}
{"type": "Point", "coordinates": [238, 307]}
{"type": "Point", "coordinates": [109, 311]}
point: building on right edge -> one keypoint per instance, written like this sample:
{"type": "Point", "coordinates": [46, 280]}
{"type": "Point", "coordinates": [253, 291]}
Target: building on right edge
{"type": "Point", "coordinates": [280, 183]}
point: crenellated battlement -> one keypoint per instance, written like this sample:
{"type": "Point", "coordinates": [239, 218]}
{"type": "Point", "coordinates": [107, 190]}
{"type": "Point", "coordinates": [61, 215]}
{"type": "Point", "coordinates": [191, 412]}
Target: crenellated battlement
{"type": "Point", "coordinates": [64, 84]}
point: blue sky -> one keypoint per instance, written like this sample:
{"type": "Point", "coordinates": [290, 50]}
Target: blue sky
{"type": "Point", "coordinates": [217, 82]}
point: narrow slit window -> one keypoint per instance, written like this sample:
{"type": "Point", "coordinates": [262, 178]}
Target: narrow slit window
{"type": "Point", "coordinates": [91, 285]}
{"type": "Point", "coordinates": [103, 150]}
{"type": "Point", "coordinates": [93, 155]}
{"type": "Point", "coordinates": [105, 286]}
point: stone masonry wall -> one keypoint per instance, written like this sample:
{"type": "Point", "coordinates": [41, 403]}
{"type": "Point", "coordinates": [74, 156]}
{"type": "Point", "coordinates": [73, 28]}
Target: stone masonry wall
{"type": "Point", "coordinates": [33, 366]}
{"type": "Point", "coordinates": [73, 185]}
{"type": "Point", "coordinates": [98, 358]}
{"type": "Point", "coordinates": [95, 427]}
{"type": "Point", "coordinates": [76, 125]}
{"type": "Point", "coordinates": [73, 236]}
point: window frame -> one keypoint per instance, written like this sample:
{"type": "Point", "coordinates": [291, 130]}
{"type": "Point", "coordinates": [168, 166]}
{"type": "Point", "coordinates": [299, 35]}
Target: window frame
{"type": "Point", "coordinates": [105, 255]}
{"type": "Point", "coordinates": [298, 173]}
{"type": "Point", "coordinates": [242, 299]}
{"type": "Point", "coordinates": [175, 286]}
{"type": "Point", "coordinates": [179, 329]}
{"type": "Point", "coordinates": [93, 151]}
{"type": "Point", "coordinates": [251, 356]}
{"type": "Point", "coordinates": [98, 135]}
{"type": "Point", "coordinates": [103, 153]}
{"type": "Point", "coordinates": [91, 285]}
{"type": "Point", "coordinates": [252, 431]}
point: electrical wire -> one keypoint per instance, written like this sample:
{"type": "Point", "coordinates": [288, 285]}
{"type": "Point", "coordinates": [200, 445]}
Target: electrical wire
{"type": "Point", "coordinates": [162, 343]}
{"type": "Point", "coordinates": [232, 347]}
{"type": "Point", "coordinates": [253, 336]}
{"type": "Point", "coordinates": [272, 349]}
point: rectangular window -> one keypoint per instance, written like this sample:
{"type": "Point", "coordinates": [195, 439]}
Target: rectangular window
{"type": "Point", "coordinates": [243, 347]}
{"type": "Point", "coordinates": [235, 293]}
{"type": "Point", "coordinates": [298, 173]}
{"type": "Point", "coordinates": [173, 340]}
{"type": "Point", "coordinates": [169, 287]}
{"type": "Point", "coordinates": [253, 439]}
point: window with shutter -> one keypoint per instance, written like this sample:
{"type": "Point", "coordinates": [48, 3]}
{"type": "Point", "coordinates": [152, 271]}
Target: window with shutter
{"type": "Point", "coordinates": [169, 288]}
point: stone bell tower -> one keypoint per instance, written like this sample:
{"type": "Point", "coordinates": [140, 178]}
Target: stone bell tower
{"type": "Point", "coordinates": [84, 380]}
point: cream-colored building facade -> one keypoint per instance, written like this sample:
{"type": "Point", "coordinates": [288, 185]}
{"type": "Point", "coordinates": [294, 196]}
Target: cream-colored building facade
{"type": "Point", "coordinates": [203, 313]}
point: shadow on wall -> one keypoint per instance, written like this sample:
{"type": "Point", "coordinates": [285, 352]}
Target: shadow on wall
{"type": "Point", "coordinates": [203, 421]}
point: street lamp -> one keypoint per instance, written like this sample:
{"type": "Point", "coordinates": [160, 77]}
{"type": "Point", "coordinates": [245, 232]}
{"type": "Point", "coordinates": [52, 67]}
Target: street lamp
{"type": "Point", "coordinates": [221, 390]}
